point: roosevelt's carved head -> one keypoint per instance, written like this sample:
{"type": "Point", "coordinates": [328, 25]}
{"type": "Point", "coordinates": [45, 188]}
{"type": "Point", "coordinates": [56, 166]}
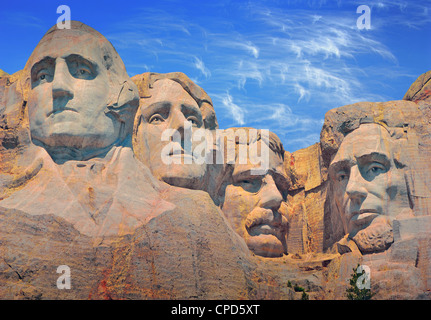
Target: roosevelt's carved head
{"type": "Point", "coordinates": [369, 185]}
{"type": "Point", "coordinates": [172, 103]}
{"type": "Point", "coordinates": [81, 99]}
{"type": "Point", "coordinates": [253, 200]}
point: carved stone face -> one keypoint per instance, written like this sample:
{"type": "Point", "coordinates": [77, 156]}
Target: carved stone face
{"type": "Point", "coordinates": [170, 107]}
{"type": "Point", "coordinates": [254, 206]}
{"type": "Point", "coordinates": [369, 188]}
{"type": "Point", "coordinates": [69, 93]}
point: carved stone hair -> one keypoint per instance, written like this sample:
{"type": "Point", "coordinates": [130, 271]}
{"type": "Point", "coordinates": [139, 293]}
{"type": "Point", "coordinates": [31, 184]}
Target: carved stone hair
{"type": "Point", "coordinates": [273, 142]}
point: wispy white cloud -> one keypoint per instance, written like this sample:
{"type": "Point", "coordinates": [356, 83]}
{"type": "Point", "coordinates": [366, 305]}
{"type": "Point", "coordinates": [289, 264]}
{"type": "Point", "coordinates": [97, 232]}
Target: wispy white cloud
{"type": "Point", "coordinates": [246, 69]}
{"type": "Point", "coordinates": [283, 116]}
{"type": "Point", "coordinates": [412, 14]}
{"type": "Point", "coordinates": [199, 64]}
{"type": "Point", "coordinates": [312, 56]}
{"type": "Point", "coordinates": [23, 19]}
{"type": "Point", "coordinates": [235, 42]}
{"type": "Point", "coordinates": [294, 129]}
{"type": "Point", "coordinates": [301, 141]}
{"type": "Point", "coordinates": [303, 93]}
{"type": "Point", "coordinates": [247, 46]}
{"type": "Point", "coordinates": [236, 111]}
{"type": "Point", "coordinates": [225, 104]}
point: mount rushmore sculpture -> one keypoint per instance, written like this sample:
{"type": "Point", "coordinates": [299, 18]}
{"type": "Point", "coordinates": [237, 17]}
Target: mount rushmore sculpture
{"type": "Point", "coordinates": [131, 184]}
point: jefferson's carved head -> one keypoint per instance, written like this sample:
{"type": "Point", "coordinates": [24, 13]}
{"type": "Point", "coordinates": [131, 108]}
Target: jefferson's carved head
{"type": "Point", "coordinates": [172, 103]}
{"type": "Point", "coordinates": [369, 185]}
{"type": "Point", "coordinates": [253, 200]}
{"type": "Point", "coordinates": [81, 98]}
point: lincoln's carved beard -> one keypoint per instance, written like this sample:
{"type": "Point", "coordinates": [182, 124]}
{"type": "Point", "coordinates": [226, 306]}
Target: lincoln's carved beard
{"type": "Point", "coordinates": [378, 236]}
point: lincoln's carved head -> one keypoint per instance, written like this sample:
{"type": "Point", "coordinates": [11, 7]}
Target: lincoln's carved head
{"type": "Point", "coordinates": [81, 101]}
{"type": "Point", "coordinates": [369, 185]}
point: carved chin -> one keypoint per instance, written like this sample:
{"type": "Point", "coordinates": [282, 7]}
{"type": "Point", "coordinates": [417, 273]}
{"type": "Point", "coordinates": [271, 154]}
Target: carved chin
{"type": "Point", "coordinates": [185, 175]}
{"type": "Point", "coordinates": [266, 245]}
{"type": "Point", "coordinates": [376, 237]}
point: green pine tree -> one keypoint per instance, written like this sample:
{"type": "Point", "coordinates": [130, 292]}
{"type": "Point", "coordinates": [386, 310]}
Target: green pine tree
{"type": "Point", "coordinates": [297, 288]}
{"type": "Point", "coordinates": [353, 292]}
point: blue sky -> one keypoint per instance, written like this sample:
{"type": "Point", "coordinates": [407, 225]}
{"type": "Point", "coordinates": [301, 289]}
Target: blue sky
{"type": "Point", "coordinates": [277, 65]}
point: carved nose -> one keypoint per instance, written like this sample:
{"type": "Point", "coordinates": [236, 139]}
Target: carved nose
{"type": "Point", "coordinates": [355, 187]}
{"type": "Point", "coordinates": [179, 122]}
{"type": "Point", "coordinates": [61, 84]}
{"type": "Point", "coordinates": [271, 197]}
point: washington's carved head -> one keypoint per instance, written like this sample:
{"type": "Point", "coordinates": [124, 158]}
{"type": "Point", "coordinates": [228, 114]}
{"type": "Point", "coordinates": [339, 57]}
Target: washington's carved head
{"type": "Point", "coordinates": [369, 185]}
{"type": "Point", "coordinates": [172, 102]}
{"type": "Point", "coordinates": [253, 200]}
{"type": "Point", "coordinates": [81, 98]}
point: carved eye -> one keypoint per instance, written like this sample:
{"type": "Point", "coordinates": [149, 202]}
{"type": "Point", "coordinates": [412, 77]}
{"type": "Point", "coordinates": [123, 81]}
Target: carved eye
{"type": "Point", "coordinates": [250, 185]}
{"type": "Point", "coordinates": [156, 119]}
{"type": "Point", "coordinates": [42, 72]}
{"type": "Point", "coordinates": [193, 120]}
{"type": "Point", "coordinates": [42, 75]}
{"type": "Point", "coordinates": [81, 68]}
{"type": "Point", "coordinates": [376, 168]}
{"type": "Point", "coordinates": [83, 73]}
{"type": "Point", "coordinates": [342, 176]}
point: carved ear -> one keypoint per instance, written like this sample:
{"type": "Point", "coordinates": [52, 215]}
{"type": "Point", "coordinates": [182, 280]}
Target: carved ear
{"type": "Point", "coordinates": [128, 95]}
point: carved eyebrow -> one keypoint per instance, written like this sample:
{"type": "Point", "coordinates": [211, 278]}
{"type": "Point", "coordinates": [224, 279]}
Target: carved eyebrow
{"type": "Point", "coordinates": [244, 174]}
{"type": "Point", "coordinates": [374, 156]}
{"type": "Point", "coordinates": [91, 63]}
{"type": "Point", "coordinates": [280, 177]}
{"type": "Point", "coordinates": [41, 63]}
{"type": "Point", "coordinates": [340, 165]}
{"type": "Point", "coordinates": [190, 109]}
{"type": "Point", "coordinates": [159, 106]}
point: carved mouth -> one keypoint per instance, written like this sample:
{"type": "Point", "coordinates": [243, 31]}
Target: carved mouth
{"type": "Point", "coordinates": [180, 153]}
{"type": "Point", "coordinates": [364, 216]}
{"type": "Point", "coordinates": [264, 223]}
{"type": "Point", "coordinates": [55, 111]}
{"type": "Point", "coordinates": [264, 229]}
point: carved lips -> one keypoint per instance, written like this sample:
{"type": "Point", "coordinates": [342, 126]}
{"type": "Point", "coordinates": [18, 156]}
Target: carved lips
{"type": "Point", "coordinates": [178, 152]}
{"type": "Point", "coordinates": [364, 216]}
{"type": "Point", "coordinates": [265, 221]}
{"type": "Point", "coordinates": [55, 111]}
